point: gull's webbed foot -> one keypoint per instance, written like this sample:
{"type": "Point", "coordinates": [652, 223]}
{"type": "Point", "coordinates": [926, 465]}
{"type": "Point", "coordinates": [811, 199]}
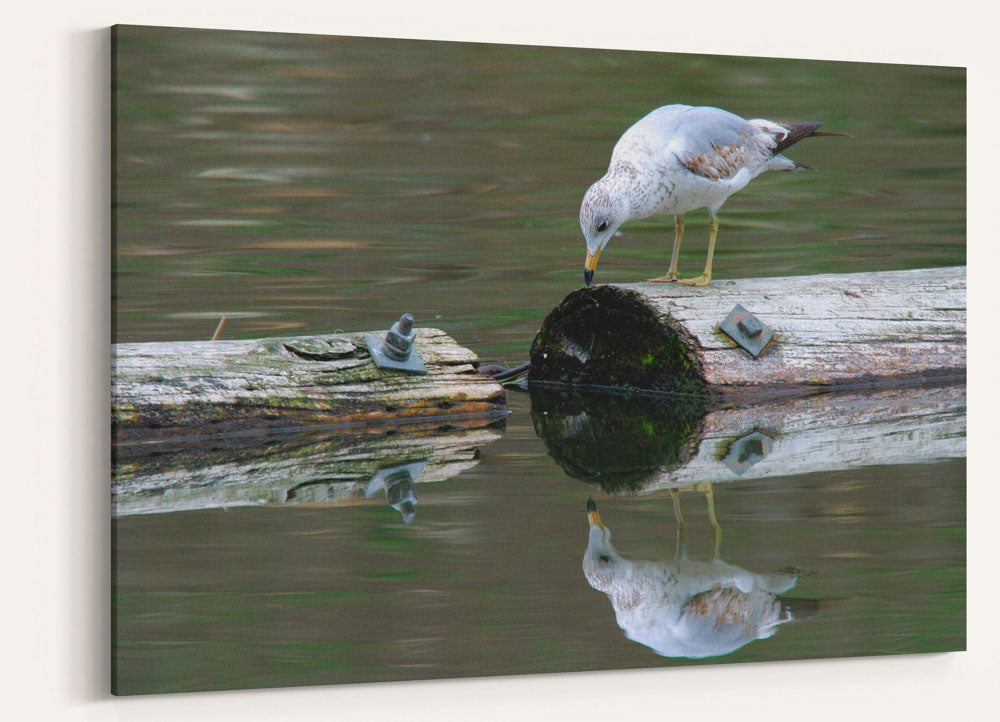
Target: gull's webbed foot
{"type": "Point", "coordinates": [701, 280]}
{"type": "Point", "coordinates": [669, 278]}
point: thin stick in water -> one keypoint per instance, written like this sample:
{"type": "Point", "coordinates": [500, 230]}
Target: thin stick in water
{"type": "Point", "coordinates": [218, 329]}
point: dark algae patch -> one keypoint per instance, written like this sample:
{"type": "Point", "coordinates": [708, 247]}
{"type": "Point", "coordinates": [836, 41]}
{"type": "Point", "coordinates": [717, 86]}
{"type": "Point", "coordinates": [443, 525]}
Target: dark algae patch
{"type": "Point", "coordinates": [606, 336]}
{"type": "Point", "coordinates": [620, 442]}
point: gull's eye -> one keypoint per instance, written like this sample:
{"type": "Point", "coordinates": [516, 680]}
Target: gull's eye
{"type": "Point", "coordinates": [605, 558]}
{"type": "Point", "coordinates": [602, 226]}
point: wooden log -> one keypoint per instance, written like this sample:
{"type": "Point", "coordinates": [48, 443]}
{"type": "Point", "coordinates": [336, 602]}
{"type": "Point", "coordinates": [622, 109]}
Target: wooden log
{"type": "Point", "coordinates": [303, 468]}
{"type": "Point", "coordinates": [830, 331]}
{"type": "Point", "coordinates": [193, 388]}
{"type": "Point", "coordinates": [646, 443]}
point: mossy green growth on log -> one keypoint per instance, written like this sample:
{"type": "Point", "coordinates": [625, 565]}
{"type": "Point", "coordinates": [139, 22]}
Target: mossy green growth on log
{"type": "Point", "coordinates": [606, 336]}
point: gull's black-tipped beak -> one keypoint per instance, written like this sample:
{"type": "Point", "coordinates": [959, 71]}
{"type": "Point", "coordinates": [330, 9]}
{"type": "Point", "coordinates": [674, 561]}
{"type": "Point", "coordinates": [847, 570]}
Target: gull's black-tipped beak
{"type": "Point", "coordinates": [589, 265]}
{"type": "Point", "coordinates": [592, 516]}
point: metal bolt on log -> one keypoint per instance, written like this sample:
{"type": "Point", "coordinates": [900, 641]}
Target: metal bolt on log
{"type": "Point", "coordinates": [395, 351]}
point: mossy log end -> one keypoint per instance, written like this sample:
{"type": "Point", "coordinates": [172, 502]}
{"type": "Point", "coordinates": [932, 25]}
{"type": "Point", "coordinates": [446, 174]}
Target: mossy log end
{"type": "Point", "coordinates": [831, 331]}
{"type": "Point", "coordinates": [159, 390]}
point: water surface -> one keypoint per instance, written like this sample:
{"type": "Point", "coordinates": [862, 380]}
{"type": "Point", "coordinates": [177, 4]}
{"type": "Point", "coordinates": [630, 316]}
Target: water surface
{"type": "Point", "coordinates": [301, 184]}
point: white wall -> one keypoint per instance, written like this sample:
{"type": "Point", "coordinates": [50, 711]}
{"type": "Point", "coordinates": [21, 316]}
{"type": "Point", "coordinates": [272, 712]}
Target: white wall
{"type": "Point", "coordinates": [55, 297]}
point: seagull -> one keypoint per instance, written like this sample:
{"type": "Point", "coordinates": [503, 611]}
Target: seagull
{"type": "Point", "coordinates": [687, 608]}
{"type": "Point", "coordinates": [680, 158]}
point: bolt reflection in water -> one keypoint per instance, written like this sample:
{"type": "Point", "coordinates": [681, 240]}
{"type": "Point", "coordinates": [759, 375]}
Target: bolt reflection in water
{"type": "Point", "coordinates": [397, 482]}
{"type": "Point", "coordinates": [686, 608]}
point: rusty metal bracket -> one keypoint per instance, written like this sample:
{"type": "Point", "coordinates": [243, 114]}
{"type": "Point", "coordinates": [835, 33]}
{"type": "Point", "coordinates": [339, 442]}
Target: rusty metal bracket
{"type": "Point", "coordinates": [396, 350]}
{"type": "Point", "coordinates": [747, 330]}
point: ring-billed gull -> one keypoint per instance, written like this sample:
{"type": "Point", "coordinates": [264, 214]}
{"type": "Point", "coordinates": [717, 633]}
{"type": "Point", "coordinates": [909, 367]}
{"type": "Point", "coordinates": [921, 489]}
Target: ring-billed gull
{"type": "Point", "coordinates": [677, 159]}
{"type": "Point", "coordinates": [687, 608]}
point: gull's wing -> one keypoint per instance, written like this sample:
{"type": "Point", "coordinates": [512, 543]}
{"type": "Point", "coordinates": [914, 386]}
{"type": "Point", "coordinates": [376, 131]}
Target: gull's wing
{"type": "Point", "coordinates": [727, 605]}
{"type": "Point", "coordinates": [717, 145]}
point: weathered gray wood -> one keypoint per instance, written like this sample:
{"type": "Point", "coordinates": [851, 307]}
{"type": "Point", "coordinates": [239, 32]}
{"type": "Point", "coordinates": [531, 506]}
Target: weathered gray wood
{"type": "Point", "coordinates": [783, 437]}
{"type": "Point", "coordinates": [189, 388]}
{"type": "Point", "coordinates": [831, 330]}
{"type": "Point", "coordinates": [154, 478]}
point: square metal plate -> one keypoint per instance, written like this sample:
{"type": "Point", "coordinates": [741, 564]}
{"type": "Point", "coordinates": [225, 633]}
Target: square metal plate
{"type": "Point", "coordinates": [747, 330]}
{"type": "Point", "coordinates": [413, 364]}
{"type": "Point", "coordinates": [747, 450]}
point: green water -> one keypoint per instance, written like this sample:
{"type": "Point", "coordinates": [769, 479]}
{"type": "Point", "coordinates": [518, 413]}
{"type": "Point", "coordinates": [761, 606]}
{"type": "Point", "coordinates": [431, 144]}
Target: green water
{"type": "Point", "coordinates": [301, 184]}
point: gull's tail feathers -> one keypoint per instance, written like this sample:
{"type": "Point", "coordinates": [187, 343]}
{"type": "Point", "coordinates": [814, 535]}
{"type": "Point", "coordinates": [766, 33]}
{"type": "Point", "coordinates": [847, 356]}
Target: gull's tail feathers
{"type": "Point", "coordinates": [796, 132]}
{"type": "Point", "coordinates": [797, 608]}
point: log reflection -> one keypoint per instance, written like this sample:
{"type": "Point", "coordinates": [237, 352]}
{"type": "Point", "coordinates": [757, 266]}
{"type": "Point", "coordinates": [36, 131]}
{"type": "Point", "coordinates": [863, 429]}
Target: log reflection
{"type": "Point", "coordinates": [306, 468]}
{"type": "Point", "coordinates": [645, 443]}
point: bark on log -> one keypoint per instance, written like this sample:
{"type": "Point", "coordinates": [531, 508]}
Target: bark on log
{"type": "Point", "coordinates": [642, 444]}
{"type": "Point", "coordinates": [830, 331]}
{"type": "Point", "coordinates": [311, 468]}
{"type": "Point", "coordinates": [193, 388]}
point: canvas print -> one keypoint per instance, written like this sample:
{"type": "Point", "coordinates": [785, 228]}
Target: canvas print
{"type": "Point", "coordinates": [440, 359]}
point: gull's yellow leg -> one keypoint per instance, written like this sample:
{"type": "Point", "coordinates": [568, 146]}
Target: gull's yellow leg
{"type": "Point", "coordinates": [706, 488]}
{"type": "Point", "coordinates": [680, 549]}
{"type": "Point", "coordinates": [672, 274]}
{"type": "Point", "coordinates": [675, 495]}
{"type": "Point", "coordinates": [706, 276]}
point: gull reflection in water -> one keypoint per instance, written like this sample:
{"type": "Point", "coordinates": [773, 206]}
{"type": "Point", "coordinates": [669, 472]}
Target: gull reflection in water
{"type": "Point", "coordinates": [687, 608]}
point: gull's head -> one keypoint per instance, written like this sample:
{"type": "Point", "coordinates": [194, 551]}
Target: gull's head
{"type": "Point", "coordinates": [602, 211]}
{"type": "Point", "coordinates": [600, 562]}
